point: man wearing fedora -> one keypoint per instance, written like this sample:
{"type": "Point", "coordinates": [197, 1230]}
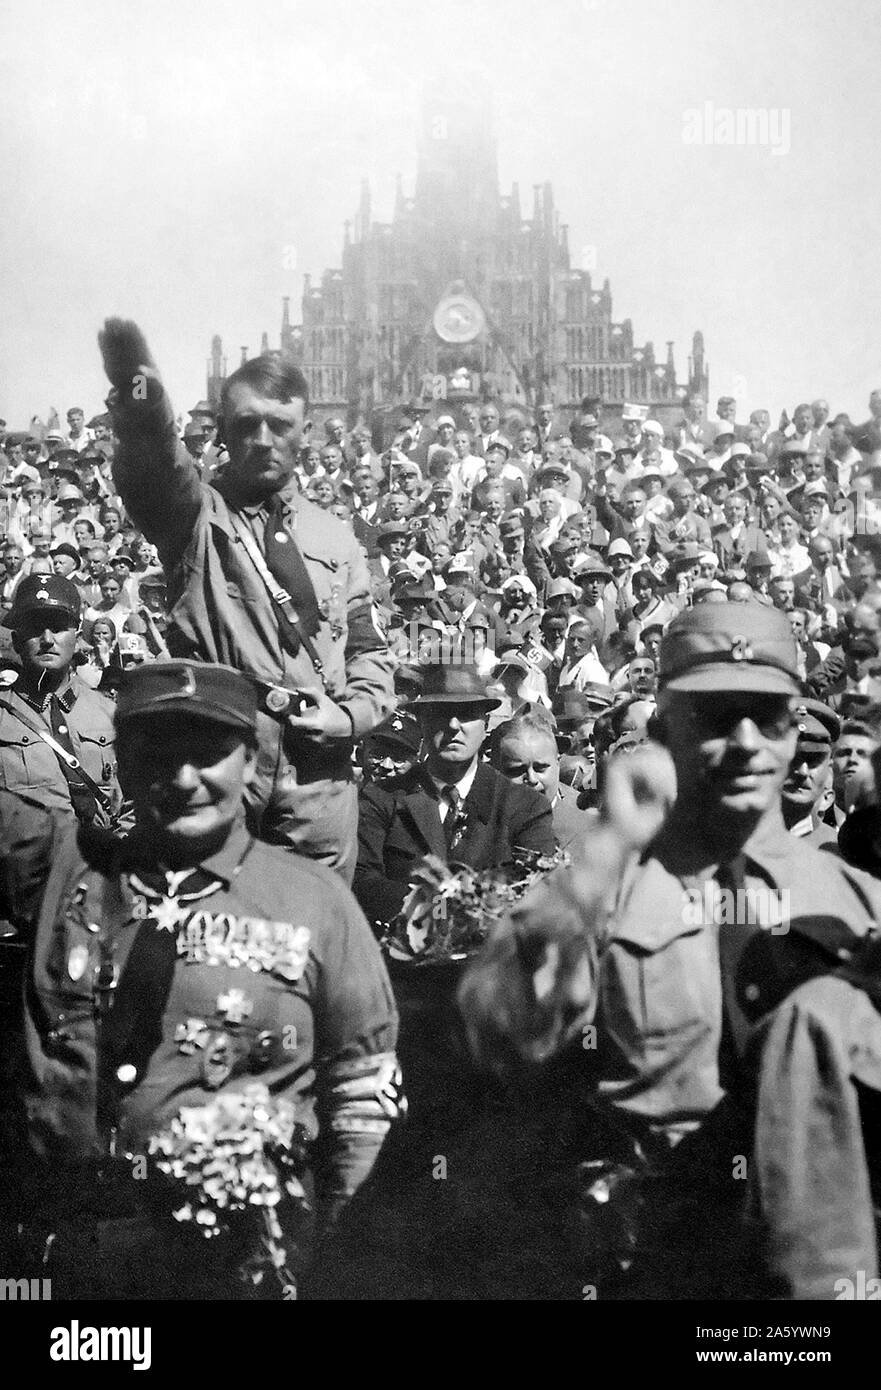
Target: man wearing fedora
{"type": "Point", "coordinates": [452, 805]}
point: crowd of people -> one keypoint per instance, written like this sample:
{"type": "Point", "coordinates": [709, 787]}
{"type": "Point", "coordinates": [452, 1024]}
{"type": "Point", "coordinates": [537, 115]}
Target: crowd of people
{"type": "Point", "coordinates": [471, 642]}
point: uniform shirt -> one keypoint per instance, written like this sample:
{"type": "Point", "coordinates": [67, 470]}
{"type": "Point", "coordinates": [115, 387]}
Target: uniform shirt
{"type": "Point", "coordinates": [818, 1058]}
{"type": "Point", "coordinates": [268, 972]}
{"type": "Point", "coordinates": [659, 1019]}
{"type": "Point", "coordinates": [220, 608]}
{"type": "Point", "coordinates": [84, 725]}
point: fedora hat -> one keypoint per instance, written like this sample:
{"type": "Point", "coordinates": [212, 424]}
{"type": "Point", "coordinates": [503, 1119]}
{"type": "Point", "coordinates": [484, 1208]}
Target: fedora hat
{"type": "Point", "coordinates": [449, 683]}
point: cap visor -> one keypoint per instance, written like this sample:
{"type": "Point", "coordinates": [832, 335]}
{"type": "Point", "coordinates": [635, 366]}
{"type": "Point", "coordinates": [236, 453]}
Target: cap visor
{"type": "Point", "coordinates": [734, 676]}
{"type": "Point", "coordinates": [488, 700]}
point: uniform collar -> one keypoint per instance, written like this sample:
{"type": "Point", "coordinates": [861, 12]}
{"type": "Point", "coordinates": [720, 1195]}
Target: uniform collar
{"type": "Point", "coordinates": [224, 864]}
{"type": "Point", "coordinates": [768, 848]}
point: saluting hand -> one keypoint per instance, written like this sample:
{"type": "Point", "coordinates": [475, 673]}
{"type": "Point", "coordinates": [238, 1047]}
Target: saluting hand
{"type": "Point", "coordinates": [128, 361]}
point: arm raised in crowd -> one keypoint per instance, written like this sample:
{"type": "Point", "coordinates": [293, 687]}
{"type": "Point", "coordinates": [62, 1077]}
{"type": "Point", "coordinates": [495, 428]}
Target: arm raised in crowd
{"type": "Point", "coordinates": [153, 473]}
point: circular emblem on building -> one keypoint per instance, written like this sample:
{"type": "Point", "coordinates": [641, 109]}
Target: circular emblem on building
{"type": "Point", "coordinates": [458, 319]}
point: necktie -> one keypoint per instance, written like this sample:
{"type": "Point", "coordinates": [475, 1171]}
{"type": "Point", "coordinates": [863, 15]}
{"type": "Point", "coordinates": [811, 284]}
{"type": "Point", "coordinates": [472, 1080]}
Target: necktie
{"type": "Point", "coordinates": [287, 567]}
{"type": "Point", "coordinates": [734, 933]}
{"type": "Point", "coordinates": [453, 799]}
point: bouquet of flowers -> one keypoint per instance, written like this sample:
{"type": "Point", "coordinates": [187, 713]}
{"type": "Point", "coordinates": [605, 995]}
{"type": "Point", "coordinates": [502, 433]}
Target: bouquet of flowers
{"type": "Point", "coordinates": [451, 908]}
{"type": "Point", "coordinates": [234, 1158]}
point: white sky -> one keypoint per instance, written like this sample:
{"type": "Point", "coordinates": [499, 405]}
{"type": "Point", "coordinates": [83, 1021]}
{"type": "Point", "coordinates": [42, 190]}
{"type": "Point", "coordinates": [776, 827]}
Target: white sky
{"type": "Point", "coordinates": [160, 159]}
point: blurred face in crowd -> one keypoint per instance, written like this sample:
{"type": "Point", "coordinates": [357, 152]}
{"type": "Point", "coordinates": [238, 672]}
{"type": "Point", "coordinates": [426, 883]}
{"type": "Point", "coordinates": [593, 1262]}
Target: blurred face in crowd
{"type": "Point", "coordinates": [592, 587]}
{"type": "Point", "coordinates": [788, 528]}
{"type": "Point", "coordinates": [97, 559]}
{"type": "Point", "coordinates": [322, 494]}
{"type": "Point", "coordinates": [812, 514]}
{"type": "Point", "coordinates": [331, 457]}
{"type": "Point", "coordinates": [264, 437]}
{"type": "Point", "coordinates": [13, 559]}
{"type": "Point", "coordinates": [549, 504]}
{"type": "Point", "coordinates": [695, 409]}
{"type": "Point", "coordinates": [101, 632]}
{"type": "Point", "coordinates": [735, 510]}
{"type": "Point", "coordinates": [813, 466]}
{"type": "Point", "coordinates": [727, 408]}
{"type": "Point", "coordinates": [395, 547]}
{"type": "Point", "coordinates": [819, 413]}
{"type": "Point", "coordinates": [397, 506]}
{"type": "Point", "coordinates": [440, 554]}
{"type": "Point", "coordinates": [64, 565]}
{"type": "Point", "coordinates": [335, 429]}
{"type": "Point", "coordinates": [441, 498]}
{"type": "Point", "coordinates": [682, 499]}
{"type": "Point", "coordinates": [642, 588]}
{"type": "Point", "coordinates": [494, 505]}
{"type": "Point", "coordinates": [385, 763]}
{"type": "Point", "coordinates": [580, 640]}
{"type": "Point", "coordinates": [489, 419]}
{"type": "Point", "coordinates": [366, 490]}
{"type": "Point", "coordinates": [639, 543]}
{"type": "Point", "coordinates": [495, 461]}
{"type": "Point", "coordinates": [544, 414]}
{"type": "Point", "coordinates": [462, 444]}
{"type": "Point", "coordinates": [852, 767]}
{"type": "Point", "coordinates": [641, 676]}
{"type": "Point", "coordinates": [311, 461]}
{"type": "Point", "coordinates": [633, 504]}
{"type": "Point", "coordinates": [863, 633]}
{"type": "Point", "coordinates": [802, 419]}
{"type": "Point", "coordinates": [526, 440]}
{"type": "Point", "coordinates": [530, 758]}
{"type": "Point", "coordinates": [185, 777]}
{"type": "Point", "coordinates": [769, 510]}
{"type": "Point", "coordinates": [732, 750]}
{"type": "Point", "coordinates": [453, 734]}
{"type": "Point", "coordinates": [798, 623]}
{"type": "Point", "coordinates": [783, 593]}
{"type": "Point", "coordinates": [342, 513]}
{"type": "Point", "coordinates": [45, 642]}
{"type": "Point", "coordinates": [83, 533]}
{"type": "Point", "coordinates": [75, 420]}
{"type": "Point", "coordinates": [619, 565]}
{"type": "Point", "coordinates": [821, 553]}
{"type": "Point", "coordinates": [109, 587]}
{"type": "Point", "coordinates": [707, 567]}
{"type": "Point", "coordinates": [110, 520]}
{"type": "Point", "coordinates": [553, 626]}
{"type": "Point", "coordinates": [445, 433]}
{"type": "Point", "coordinates": [651, 641]}
{"type": "Point", "coordinates": [361, 443]}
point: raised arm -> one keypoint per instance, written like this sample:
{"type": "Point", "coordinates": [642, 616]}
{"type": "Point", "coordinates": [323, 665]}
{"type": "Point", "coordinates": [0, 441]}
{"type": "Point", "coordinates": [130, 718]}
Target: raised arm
{"type": "Point", "coordinates": [153, 473]}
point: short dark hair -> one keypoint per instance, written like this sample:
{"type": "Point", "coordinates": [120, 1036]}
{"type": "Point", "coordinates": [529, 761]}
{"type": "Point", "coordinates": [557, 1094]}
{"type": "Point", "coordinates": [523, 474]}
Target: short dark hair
{"type": "Point", "coordinates": [274, 375]}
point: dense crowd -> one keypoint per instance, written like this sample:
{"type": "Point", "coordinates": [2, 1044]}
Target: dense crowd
{"type": "Point", "coordinates": [466, 646]}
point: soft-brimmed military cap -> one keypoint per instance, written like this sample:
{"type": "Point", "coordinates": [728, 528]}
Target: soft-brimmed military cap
{"type": "Point", "coordinates": [44, 593]}
{"type": "Point", "coordinates": [730, 647]}
{"type": "Point", "coordinates": [392, 531]}
{"type": "Point", "coordinates": [201, 689]}
{"type": "Point", "coordinates": [591, 563]}
{"type": "Point", "coordinates": [817, 724]}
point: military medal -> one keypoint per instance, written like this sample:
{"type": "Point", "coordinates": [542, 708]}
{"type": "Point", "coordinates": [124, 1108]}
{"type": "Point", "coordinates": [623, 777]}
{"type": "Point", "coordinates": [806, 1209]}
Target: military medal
{"type": "Point", "coordinates": [217, 1061]}
{"type": "Point", "coordinates": [234, 1006]}
{"type": "Point", "coordinates": [77, 962]}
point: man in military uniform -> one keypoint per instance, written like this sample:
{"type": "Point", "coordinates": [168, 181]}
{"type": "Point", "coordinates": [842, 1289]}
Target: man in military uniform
{"type": "Point", "coordinates": [810, 776]}
{"type": "Point", "coordinates": [186, 961]}
{"type": "Point", "coordinates": [263, 580]}
{"type": "Point", "coordinates": [721, 873]}
{"type": "Point", "coordinates": [56, 735]}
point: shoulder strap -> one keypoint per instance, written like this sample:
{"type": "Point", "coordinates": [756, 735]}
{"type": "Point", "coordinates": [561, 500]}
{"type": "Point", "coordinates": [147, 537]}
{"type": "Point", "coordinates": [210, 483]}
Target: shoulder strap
{"type": "Point", "coordinates": [74, 773]}
{"type": "Point", "coordinates": [279, 596]}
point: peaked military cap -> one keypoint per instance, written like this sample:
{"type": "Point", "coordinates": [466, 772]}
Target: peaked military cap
{"type": "Point", "coordinates": [44, 593]}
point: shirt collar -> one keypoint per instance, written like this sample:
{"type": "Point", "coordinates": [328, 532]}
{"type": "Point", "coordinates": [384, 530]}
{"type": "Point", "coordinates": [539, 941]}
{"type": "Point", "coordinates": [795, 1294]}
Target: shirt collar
{"type": "Point", "coordinates": [463, 785]}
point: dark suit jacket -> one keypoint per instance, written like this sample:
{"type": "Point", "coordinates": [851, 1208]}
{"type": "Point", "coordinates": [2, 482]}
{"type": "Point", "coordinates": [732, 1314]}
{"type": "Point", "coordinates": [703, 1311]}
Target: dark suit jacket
{"type": "Point", "coordinates": [396, 829]}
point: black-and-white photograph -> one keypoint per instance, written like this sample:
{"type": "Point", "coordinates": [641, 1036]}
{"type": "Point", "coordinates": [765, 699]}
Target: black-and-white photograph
{"type": "Point", "coordinates": [440, 662]}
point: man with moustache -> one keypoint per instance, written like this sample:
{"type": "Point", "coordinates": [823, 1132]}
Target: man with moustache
{"type": "Point", "coordinates": [260, 579]}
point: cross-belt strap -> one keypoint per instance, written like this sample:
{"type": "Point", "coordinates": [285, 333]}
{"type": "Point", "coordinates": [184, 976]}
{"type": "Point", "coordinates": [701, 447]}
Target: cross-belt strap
{"type": "Point", "coordinates": [74, 773]}
{"type": "Point", "coordinates": [280, 597]}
